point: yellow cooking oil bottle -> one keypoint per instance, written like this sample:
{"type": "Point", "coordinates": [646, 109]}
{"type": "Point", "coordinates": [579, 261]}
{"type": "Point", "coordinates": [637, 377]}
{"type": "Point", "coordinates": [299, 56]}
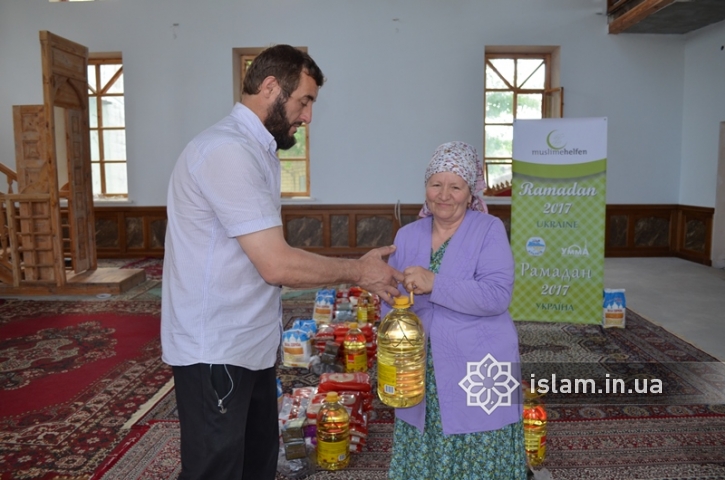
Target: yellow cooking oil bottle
{"type": "Point", "coordinates": [534, 427]}
{"type": "Point", "coordinates": [401, 356]}
{"type": "Point", "coordinates": [333, 434]}
{"type": "Point", "coordinates": [356, 354]}
{"type": "Point", "coordinates": [362, 310]}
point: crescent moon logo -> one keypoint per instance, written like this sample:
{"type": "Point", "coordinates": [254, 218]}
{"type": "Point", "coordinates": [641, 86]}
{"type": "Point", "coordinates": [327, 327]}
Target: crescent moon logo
{"type": "Point", "coordinates": [555, 140]}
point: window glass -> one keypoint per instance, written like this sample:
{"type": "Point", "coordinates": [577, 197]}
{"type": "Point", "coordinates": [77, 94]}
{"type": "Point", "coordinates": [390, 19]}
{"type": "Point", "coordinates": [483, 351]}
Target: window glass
{"type": "Point", "coordinates": [528, 105]}
{"type": "Point", "coordinates": [295, 162]}
{"type": "Point", "coordinates": [530, 73]}
{"type": "Point", "coordinates": [499, 140]}
{"type": "Point", "coordinates": [516, 87]}
{"type": "Point", "coordinates": [499, 107]}
{"type": "Point", "coordinates": [505, 68]}
{"type": "Point", "coordinates": [114, 144]}
{"type": "Point", "coordinates": [300, 147]}
{"type": "Point", "coordinates": [116, 181]}
{"type": "Point", "coordinates": [113, 112]}
{"type": "Point", "coordinates": [107, 122]}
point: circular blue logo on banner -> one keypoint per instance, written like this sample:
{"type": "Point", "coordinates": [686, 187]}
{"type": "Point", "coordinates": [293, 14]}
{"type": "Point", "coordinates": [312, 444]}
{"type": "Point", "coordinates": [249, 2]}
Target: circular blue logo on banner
{"type": "Point", "coordinates": [535, 246]}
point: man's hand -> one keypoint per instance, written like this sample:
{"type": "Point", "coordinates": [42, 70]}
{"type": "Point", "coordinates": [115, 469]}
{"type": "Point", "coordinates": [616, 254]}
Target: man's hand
{"type": "Point", "coordinates": [377, 277]}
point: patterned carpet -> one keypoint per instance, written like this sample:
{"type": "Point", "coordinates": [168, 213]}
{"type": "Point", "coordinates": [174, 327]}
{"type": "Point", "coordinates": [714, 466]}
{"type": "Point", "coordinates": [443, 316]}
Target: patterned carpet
{"type": "Point", "coordinates": [590, 437]}
{"type": "Point", "coordinates": [677, 433]}
{"type": "Point", "coordinates": [72, 373]}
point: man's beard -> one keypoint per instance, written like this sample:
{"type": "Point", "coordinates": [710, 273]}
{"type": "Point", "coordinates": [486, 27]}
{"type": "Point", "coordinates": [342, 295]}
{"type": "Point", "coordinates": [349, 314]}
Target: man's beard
{"type": "Point", "coordinates": [278, 125]}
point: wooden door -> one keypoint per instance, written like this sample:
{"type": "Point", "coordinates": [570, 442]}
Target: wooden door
{"type": "Point", "coordinates": [65, 86]}
{"type": "Point", "coordinates": [80, 204]}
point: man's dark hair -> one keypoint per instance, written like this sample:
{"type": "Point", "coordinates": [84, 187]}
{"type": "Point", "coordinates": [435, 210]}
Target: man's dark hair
{"type": "Point", "coordinates": [286, 64]}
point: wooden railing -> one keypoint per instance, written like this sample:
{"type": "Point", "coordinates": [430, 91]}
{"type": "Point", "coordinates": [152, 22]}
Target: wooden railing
{"type": "Point", "coordinates": [10, 176]}
{"type": "Point", "coordinates": [26, 240]}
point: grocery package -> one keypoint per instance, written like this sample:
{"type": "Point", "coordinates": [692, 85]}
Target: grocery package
{"type": "Point", "coordinates": [324, 305]}
{"type": "Point", "coordinates": [614, 312]}
{"type": "Point", "coordinates": [297, 347]}
{"type": "Point", "coordinates": [348, 382]}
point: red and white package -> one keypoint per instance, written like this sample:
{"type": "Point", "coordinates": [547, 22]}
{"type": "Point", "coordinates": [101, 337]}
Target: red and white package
{"type": "Point", "coordinates": [341, 382]}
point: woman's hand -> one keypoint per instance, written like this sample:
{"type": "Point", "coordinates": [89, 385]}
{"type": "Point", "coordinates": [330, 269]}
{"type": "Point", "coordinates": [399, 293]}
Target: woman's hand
{"type": "Point", "coordinates": [418, 280]}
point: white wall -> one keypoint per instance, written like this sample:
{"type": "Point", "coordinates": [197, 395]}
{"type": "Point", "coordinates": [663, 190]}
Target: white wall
{"type": "Point", "coordinates": [403, 77]}
{"type": "Point", "coordinates": [704, 109]}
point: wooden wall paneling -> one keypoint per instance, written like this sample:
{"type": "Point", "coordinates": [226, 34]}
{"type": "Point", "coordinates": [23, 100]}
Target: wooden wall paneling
{"type": "Point", "coordinates": [131, 232]}
{"type": "Point", "coordinates": [157, 233]}
{"type": "Point", "coordinates": [651, 230]}
{"type": "Point", "coordinates": [305, 230]}
{"type": "Point", "coordinates": [662, 229]}
{"type": "Point", "coordinates": [373, 229]}
{"type": "Point", "coordinates": [694, 233]}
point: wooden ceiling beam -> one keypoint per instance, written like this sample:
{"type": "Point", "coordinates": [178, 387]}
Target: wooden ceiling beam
{"type": "Point", "coordinates": [637, 14]}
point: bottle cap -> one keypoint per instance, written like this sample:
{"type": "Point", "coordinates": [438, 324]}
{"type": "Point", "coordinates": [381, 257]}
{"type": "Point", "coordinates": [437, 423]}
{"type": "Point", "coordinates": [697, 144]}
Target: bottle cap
{"type": "Point", "coordinates": [353, 324]}
{"type": "Point", "coordinates": [402, 302]}
{"type": "Point", "coordinates": [331, 397]}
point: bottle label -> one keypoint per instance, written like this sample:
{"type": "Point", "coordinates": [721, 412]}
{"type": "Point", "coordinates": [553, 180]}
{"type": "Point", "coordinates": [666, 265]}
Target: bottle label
{"type": "Point", "coordinates": [387, 378]}
{"type": "Point", "coordinates": [356, 362]}
{"type": "Point", "coordinates": [332, 452]}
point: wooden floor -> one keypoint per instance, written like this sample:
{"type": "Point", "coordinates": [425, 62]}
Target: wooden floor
{"type": "Point", "coordinates": [92, 282]}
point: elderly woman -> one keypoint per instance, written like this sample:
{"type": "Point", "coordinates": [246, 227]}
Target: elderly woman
{"type": "Point", "coordinates": [458, 262]}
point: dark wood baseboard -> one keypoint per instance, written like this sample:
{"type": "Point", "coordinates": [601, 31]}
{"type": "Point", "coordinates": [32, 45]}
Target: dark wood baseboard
{"type": "Point", "coordinates": [352, 230]}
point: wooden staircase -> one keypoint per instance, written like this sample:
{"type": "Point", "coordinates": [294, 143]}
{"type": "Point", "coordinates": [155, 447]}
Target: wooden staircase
{"type": "Point", "coordinates": [33, 255]}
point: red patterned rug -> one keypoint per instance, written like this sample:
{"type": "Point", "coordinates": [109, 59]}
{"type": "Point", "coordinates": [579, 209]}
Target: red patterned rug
{"type": "Point", "coordinates": [71, 375]}
{"type": "Point", "coordinates": [153, 266]}
{"type": "Point", "coordinates": [587, 439]}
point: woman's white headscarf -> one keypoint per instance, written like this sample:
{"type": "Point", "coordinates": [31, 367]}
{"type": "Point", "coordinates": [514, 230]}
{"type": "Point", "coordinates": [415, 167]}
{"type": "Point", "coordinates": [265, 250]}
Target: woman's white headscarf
{"type": "Point", "coordinates": [462, 159]}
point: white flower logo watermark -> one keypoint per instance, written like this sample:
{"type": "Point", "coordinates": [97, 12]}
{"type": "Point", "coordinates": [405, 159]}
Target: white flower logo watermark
{"type": "Point", "coordinates": [488, 384]}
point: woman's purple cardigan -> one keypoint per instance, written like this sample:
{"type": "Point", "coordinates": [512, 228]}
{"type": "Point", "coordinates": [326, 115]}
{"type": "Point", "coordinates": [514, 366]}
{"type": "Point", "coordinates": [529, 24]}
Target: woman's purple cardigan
{"type": "Point", "coordinates": [466, 318]}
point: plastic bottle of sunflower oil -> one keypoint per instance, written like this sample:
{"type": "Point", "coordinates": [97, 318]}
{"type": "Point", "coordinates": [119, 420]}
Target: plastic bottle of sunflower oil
{"type": "Point", "coordinates": [534, 428]}
{"type": "Point", "coordinates": [356, 354]}
{"type": "Point", "coordinates": [362, 310]}
{"type": "Point", "coordinates": [333, 434]}
{"type": "Point", "coordinates": [401, 356]}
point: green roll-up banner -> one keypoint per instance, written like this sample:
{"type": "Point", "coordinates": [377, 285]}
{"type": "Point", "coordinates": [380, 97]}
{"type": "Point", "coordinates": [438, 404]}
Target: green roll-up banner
{"type": "Point", "coordinates": [558, 203]}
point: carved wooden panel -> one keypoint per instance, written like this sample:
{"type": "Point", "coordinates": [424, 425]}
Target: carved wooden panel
{"type": "Point", "coordinates": [30, 149]}
{"type": "Point", "coordinates": [35, 229]}
{"type": "Point", "coordinates": [80, 203]}
{"type": "Point", "coordinates": [65, 85]}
